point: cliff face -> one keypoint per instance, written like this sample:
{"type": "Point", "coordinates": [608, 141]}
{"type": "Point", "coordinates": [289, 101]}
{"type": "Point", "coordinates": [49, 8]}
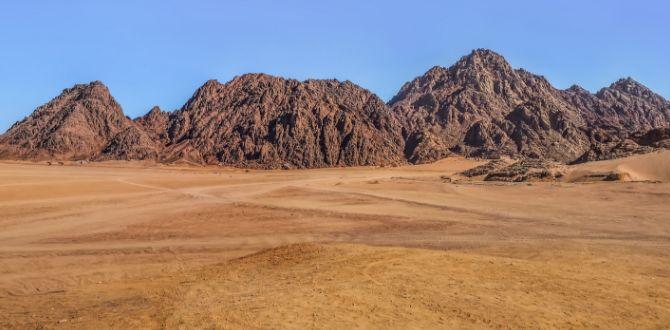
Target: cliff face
{"type": "Point", "coordinates": [481, 106]}
{"type": "Point", "coordinates": [263, 121]}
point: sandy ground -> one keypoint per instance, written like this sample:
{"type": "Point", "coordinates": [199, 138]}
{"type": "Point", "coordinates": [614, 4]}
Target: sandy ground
{"type": "Point", "coordinates": [122, 245]}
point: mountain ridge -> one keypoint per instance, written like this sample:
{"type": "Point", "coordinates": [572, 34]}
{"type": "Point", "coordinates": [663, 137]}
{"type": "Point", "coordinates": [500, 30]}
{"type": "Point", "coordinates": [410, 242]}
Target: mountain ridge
{"type": "Point", "coordinates": [479, 107]}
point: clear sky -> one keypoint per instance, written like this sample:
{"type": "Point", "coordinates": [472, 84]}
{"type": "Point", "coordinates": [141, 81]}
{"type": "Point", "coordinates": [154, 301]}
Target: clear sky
{"type": "Point", "coordinates": [157, 52]}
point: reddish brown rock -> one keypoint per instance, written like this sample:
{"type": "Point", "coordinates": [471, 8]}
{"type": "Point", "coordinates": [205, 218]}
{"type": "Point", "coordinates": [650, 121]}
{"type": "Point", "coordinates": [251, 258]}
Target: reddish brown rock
{"type": "Point", "coordinates": [624, 108]}
{"type": "Point", "coordinates": [635, 144]}
{"type": "Point", "coordinates": [482, 107]}
{"type": "Point", "coordinates": [155, 123]}
{"type": "Point", "coordinates": [479, 107]}
{"type": "Point", "coordinates": [258, 120]}
{"type": "Point", "coordinates": [657, 137]}
{"type": "Point", "coordinates": [78, 124]}
{"type": "Point", "coordinates": [132, 143]}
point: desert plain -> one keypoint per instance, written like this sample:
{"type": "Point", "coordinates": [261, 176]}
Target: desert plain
{"type": "Point", "coordinates": [132, 245]}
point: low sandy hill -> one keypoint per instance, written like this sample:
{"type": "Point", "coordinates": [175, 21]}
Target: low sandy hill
{"type": "Point", "coordinates": [654, 166]}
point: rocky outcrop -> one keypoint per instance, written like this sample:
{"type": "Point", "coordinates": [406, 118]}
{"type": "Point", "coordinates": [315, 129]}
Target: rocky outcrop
{"type": "Point", "coordinates": [520, 171]}
{"type": "Point", "coordinates": [527, 170]}
{"type": "Point", "coordinates": [485, 169]}
{"type": "Point", "coordinates": [259, 120]}
{"type": "Point", "coordinates": [633, 144]}
{"type": "Point", "coordinates": [657, 138]}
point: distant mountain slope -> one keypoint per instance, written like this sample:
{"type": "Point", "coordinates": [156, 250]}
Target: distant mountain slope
{"type": "Point", "coordinates": [626, 104]}
{"type": "Point", "coordinates": [77, 124]}
{"type": "Point", "coordinates": [261, 120]}
{"type": "Point", "coordinates": [254, 120]}
{"type": "Point", "coordinates": [481, 106]}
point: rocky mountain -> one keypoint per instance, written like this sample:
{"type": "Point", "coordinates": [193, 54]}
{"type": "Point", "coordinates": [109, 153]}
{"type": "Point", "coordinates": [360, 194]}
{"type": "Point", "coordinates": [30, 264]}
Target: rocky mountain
{"type": "Point", "coordinates": [75, 125]}
{"type": "Point", "coordinates": [254, 120]}
{"type": "Point", "coordinates": [480, 107]}
{"type": "Point", "coordinates": [631, 144]}
{"type": "Point", "coordinates": [624, 107]}
{"type": "Point", "coordinates": [483, 107]}
{"type": "Point", "coordinates": [259, 120]}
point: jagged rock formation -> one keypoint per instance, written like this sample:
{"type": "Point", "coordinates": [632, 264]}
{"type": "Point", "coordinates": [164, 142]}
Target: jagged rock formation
{"type": "Point", "coordinates": [485, 169]}
{"type": "Point", "coordinates": [479, 107]}
{"type": "Point", "coordinates": [483, 107]}
{"type": "Point", "coordinates": [527, 170]}
{"type": "Point", "coordinates": [626, 107]}
{"type": "Point", "coordinates": [254, 120]}
{"type": "Point", "coordinates": [635, 144]}
{"type": "Point", "coordinates": [133, 143]}
{"type": "Point", "coordinates": [155, 123]}
{"type": "Point", "coordinates": [75, 125]}
{"type": "Point", "coordinates": [259, 120]}
{"type": "Point", "coordinates": [520, 171]}
{"type": "Point", "coordinates": [657, 138]}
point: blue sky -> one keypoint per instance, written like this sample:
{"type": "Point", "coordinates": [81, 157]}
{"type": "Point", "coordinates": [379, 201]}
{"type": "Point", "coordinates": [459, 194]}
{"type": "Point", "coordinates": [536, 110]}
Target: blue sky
{"type": "Point", "coordinates": [158, 52]}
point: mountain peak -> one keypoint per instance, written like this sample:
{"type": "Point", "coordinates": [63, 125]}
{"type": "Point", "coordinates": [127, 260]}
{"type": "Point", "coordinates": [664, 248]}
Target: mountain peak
{"type": "Point", "coordinates": [95, 89]}
{"type": "Point", "coordinates": [96, 84]}
{"type": "Point", "coordinates": [483, 59]}
{"type": "Point", "coordinates": [253, 77]}
{"type": "Point", "coordinates": [578, 89]}
{"type": "Point", "coordinates": [630, 86]}
{"type": "Point", "coordinates": [75, 124]}
{"type": "Point", "coordinates": [210, 83]}
{"type": "Point", "coordinates": [207, 89]}
{"type": "Point", "coordinates": [269, 121]}
{"type": "Point", "coordinates": [485, 53]}
{"type": "Point", "coordinates": [627, 84]}
{"type": "Point", "coordinates": [154, 113]}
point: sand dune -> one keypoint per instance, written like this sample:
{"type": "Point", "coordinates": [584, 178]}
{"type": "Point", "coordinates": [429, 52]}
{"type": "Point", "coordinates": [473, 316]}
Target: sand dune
{"type": "Point", "coordinates": [648, 167]}
{"type": "Point", "coordinates": [127, 245]}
